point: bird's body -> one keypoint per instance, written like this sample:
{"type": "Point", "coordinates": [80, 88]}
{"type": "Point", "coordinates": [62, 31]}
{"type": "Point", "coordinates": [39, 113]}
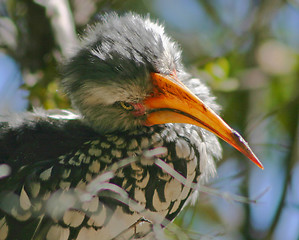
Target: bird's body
{"type": "Point", "coordinates": [45, 149]}
{"type": "Point", "coordinates": [57, 187]}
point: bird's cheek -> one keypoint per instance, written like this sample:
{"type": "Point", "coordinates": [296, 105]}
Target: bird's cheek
{"type": "Point", "coordinates": [139, 109]}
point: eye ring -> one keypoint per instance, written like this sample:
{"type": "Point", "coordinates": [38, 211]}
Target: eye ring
{"type": "Point", "coordinates": [126, 106]}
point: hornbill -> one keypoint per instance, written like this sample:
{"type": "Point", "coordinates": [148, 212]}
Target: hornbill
{"type": "Point", "coordinates": [93, 173]}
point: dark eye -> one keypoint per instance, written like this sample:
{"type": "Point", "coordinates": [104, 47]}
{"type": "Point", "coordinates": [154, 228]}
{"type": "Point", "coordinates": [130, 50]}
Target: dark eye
{"type": "Point", "coordinates": [126, 106]}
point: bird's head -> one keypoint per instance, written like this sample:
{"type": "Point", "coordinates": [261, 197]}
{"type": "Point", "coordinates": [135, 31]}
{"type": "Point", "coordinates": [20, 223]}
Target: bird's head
{"type": "Point", "coordinates": [128, 74]}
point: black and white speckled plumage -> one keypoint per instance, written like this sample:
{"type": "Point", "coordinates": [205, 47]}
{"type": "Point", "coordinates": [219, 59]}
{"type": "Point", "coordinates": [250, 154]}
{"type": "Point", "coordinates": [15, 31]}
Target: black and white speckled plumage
{"type": "Point", "coordinates": [51, 153]}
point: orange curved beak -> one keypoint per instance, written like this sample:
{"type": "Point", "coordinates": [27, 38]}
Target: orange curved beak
{"type": "Point", "coordinates": [173, 102]}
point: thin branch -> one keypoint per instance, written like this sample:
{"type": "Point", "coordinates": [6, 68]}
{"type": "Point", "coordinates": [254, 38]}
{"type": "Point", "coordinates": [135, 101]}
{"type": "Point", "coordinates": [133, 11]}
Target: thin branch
{"type": "Point", "coordinates": [62, 22]}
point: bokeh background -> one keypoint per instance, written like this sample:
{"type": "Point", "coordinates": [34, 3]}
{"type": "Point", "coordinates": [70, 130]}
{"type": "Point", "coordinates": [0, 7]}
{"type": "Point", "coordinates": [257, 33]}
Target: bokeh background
{"type": "Point", "coordinates": [247, 51]}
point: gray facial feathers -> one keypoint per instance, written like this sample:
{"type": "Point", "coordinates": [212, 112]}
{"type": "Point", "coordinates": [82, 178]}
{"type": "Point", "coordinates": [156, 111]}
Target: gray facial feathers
{"type": "Point", "coordinates": [121, 49]}
{"type": "Point", "coordinates": [114, 63]}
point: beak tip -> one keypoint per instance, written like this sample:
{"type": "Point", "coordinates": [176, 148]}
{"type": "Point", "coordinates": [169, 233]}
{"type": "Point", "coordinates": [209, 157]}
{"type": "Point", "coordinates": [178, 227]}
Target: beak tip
{"type": "Point", "coordinates": [259, 164]}
{"type": "Point", "coordinates": [255, 160]}
{"type": "Point", "coordinates": [244, 148]}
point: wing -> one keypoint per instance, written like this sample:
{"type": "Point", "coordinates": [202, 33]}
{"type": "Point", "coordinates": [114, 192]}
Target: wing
{"type": "Point", "coordinates": [31, 143]}
{"type": "Point", "coordinates": [40, 136]}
